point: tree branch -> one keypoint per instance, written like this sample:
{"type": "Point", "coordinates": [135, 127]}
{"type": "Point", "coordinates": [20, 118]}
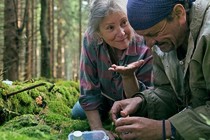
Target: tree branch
{"type": "Point", "coordinates": [19, 91]}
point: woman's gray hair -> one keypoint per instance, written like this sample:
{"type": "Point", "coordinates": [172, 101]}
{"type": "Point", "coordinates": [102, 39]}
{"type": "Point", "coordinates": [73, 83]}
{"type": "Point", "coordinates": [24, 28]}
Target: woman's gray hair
{"type": "Point", "coordinates": [100, 9]}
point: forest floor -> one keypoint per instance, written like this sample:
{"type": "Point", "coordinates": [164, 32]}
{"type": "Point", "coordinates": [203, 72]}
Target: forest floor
{"type": "Point", "coordinates": [39, 109]}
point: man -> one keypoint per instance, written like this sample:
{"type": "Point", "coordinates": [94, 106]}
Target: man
{"type": "Point", "coordinates": [178, 31]}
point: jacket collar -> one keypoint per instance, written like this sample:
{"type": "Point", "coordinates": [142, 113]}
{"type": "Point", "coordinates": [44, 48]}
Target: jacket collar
{"type": "Point", "coordinates": [197, 14]}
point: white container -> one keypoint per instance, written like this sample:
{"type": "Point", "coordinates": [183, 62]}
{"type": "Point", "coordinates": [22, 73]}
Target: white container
{"type": "Point", "coordinates": [77, 135]}
{"type": "Point", "coordinates": [88, 135]}
{"type": "Point", "coordinates": [7, 82]}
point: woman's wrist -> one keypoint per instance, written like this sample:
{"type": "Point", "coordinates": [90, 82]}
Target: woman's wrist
{"type": "Point", "coordinates": [98, 128]}
{"type": "Point", "coordinates": [128, 76]}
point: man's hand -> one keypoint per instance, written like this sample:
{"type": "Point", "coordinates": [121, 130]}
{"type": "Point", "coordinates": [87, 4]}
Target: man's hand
{"type": "Point", "coordinates": [139, 128]}
{"type": "Point", "coordinates": [111, 135]}
{"type": "Point", "coordinates": [125, 107]}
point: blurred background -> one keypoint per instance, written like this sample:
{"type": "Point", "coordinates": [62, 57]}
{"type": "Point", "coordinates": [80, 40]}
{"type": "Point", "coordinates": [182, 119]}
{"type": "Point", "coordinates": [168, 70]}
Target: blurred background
{"type": "Point", "coordinates": [41, 38]}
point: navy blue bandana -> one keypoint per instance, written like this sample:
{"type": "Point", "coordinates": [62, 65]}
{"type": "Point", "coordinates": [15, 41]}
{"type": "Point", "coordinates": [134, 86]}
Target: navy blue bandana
{"type": "Point", "coordinates": [143, 14]}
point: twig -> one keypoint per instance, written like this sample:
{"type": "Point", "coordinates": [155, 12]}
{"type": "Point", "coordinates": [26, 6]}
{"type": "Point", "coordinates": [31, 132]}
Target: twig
{"type": "Point", "coordinates": [28, 88]}
{"type": "Point", "coordinates": [51, 88]}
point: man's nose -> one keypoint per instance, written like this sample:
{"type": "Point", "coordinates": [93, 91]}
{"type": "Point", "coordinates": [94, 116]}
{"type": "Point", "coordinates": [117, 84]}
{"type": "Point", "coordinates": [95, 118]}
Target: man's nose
{"type": "Point", "coordinates": [150, 42]}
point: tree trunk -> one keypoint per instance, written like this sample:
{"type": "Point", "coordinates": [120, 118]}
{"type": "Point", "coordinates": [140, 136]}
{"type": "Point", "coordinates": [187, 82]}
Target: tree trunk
{"type": "Point", "coordinates": [33, 53]}
{"type": "Point", "coordinates": [11, 42]}
{"type": "Point", "coordinates": [59, 49]}
{"type": "Point", "coordinates": [51, 35]}
{"type": "Point", "coordinates": [1, 38]}
{"type": "Point", "coordinates": [53, 41]}
{"type": "Point", "coordinates": [21, 14]}
{"type": "Point", "coordinates": [29, 43]}
{"type": "Point", "coordinates": [59, 42]}
{"type": "Point", "coordinates": [36, 70]}
{"type": "Point", "coordinates": [45, 51]}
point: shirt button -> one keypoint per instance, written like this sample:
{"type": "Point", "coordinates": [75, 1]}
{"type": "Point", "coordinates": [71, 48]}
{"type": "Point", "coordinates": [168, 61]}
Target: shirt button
{"type": "Point", "coordinates": [181, 62]}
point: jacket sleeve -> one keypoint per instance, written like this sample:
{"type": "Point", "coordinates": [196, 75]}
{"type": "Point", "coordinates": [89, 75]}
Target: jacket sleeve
{"type": "Point", "coordinates": [193, 124]}
{"type": "Point", "coordinates": [160, 102]}
{"type": "Point", "coordinates": [200, 65]}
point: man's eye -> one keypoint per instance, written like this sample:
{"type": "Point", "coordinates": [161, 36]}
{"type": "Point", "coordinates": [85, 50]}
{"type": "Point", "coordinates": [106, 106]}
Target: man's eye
{"type": "Point", "coordinates": [152, 35]}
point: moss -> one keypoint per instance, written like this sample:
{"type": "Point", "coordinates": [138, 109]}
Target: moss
{"type": "Point", "coordinates": [27, 125]}
{"type": "Point", "coordinates": [1, 102]}
{"type": "Point", "coordinates": [59, 107]}
{"type": "Point", "coordinates": [39, 131]}
{"type": "Point", "coordinates": [20, 122]}
{"type": "Point", "coordinates": [4, 89]}
{"type": "Point", "coordinates": [54, 118]}
{"type": "Point", "coordinates": [34, 93]}
{"type": "Point", "coordinates": [13, 104]}
{"type": "Point", "coordinates": [24, 119]}
{"type": "Point", "coordinates": [24, 98]}
{"type": "Point", "coordinates": [10, 135]}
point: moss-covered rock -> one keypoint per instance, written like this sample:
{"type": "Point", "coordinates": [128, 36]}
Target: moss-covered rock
{"type": "Point", "coordinates": [22, 118]}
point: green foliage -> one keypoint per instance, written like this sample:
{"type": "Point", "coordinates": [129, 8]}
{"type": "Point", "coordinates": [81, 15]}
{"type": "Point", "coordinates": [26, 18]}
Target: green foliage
{"type": "Point", "coordinates": [10, 135]}
{"type": "Point", "coordinates": [59, 107]}
{"type": "Point", "coordinates": [27, 125]}
{"type": "Point", "coordinates": [23, 117]}
{"type": "Point", "coordinates": [21, 121]}
{"type": "Point", "coordinates": [39, 131]}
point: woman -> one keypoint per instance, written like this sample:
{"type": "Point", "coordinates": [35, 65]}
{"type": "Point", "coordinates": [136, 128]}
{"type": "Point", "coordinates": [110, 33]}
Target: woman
{"type": "Point", "coordinates": [110, 69]}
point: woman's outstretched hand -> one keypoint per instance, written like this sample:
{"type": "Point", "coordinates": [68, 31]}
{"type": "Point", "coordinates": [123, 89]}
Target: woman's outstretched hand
{"type": "Point", "coordinates": [127, 69]}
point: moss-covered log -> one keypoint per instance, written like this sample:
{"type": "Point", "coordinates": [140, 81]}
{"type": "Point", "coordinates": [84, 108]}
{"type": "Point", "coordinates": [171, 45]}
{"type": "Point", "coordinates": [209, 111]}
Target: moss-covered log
{"type": "Point", "coordinates": [21, 118]}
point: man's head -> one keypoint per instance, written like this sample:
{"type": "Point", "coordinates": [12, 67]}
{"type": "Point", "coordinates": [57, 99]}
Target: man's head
{"type": "Point", "coordinates": [162, 23]}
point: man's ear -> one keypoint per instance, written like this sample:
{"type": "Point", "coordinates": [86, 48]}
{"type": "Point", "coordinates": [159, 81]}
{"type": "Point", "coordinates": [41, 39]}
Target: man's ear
{"type": "Point", "coordinates": [179, 13]}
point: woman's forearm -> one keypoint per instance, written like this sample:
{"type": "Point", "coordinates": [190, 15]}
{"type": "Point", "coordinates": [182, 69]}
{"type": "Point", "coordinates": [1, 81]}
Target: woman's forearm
{"type": "Point", "coordinates": [130, 85]}
{"type": "Point", "coordinates": [94, 120]}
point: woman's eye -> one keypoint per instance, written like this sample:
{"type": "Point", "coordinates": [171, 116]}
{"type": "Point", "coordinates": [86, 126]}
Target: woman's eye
{"type": "Point", "coordinates": [124, 23]}
{"type": "Point", "coordinates": [110, 28]}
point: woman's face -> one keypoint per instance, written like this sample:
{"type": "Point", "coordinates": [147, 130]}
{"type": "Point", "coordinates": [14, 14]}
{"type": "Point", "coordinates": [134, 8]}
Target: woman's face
{"type": "Point", "coordinates": [116, 30]}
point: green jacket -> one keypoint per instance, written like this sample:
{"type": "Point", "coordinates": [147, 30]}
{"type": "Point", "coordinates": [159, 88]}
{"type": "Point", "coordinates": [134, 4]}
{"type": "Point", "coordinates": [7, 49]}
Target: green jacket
{"type": "Point", "coordinates": [194, 124]}
{"type": "Point", "coordinates": [178, 82]}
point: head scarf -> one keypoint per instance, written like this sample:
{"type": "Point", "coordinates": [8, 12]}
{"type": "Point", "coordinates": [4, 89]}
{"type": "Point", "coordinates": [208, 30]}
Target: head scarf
{"type": "Point", "coordinates": [143, 14]}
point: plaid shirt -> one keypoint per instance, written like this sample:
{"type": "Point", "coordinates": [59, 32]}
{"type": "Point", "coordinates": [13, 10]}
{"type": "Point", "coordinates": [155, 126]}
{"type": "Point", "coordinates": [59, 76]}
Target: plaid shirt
{"type": "Point", "coordinates": [96, 79]}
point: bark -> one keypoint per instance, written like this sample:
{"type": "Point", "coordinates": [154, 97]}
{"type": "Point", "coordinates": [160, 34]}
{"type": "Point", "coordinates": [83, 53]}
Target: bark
{"type": "Point", "coordinates": [45, 49]}
{"type": "Point", "coordinates": [11, 42]}
{"type": "Point", "coordinates": [29, 43]}
{"type": "Point", "coordinates": [51, 34]}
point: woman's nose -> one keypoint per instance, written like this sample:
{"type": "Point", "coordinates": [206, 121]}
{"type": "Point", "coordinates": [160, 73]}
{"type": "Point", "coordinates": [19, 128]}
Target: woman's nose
{"type": "Point", "coordinates": [121, 32]}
